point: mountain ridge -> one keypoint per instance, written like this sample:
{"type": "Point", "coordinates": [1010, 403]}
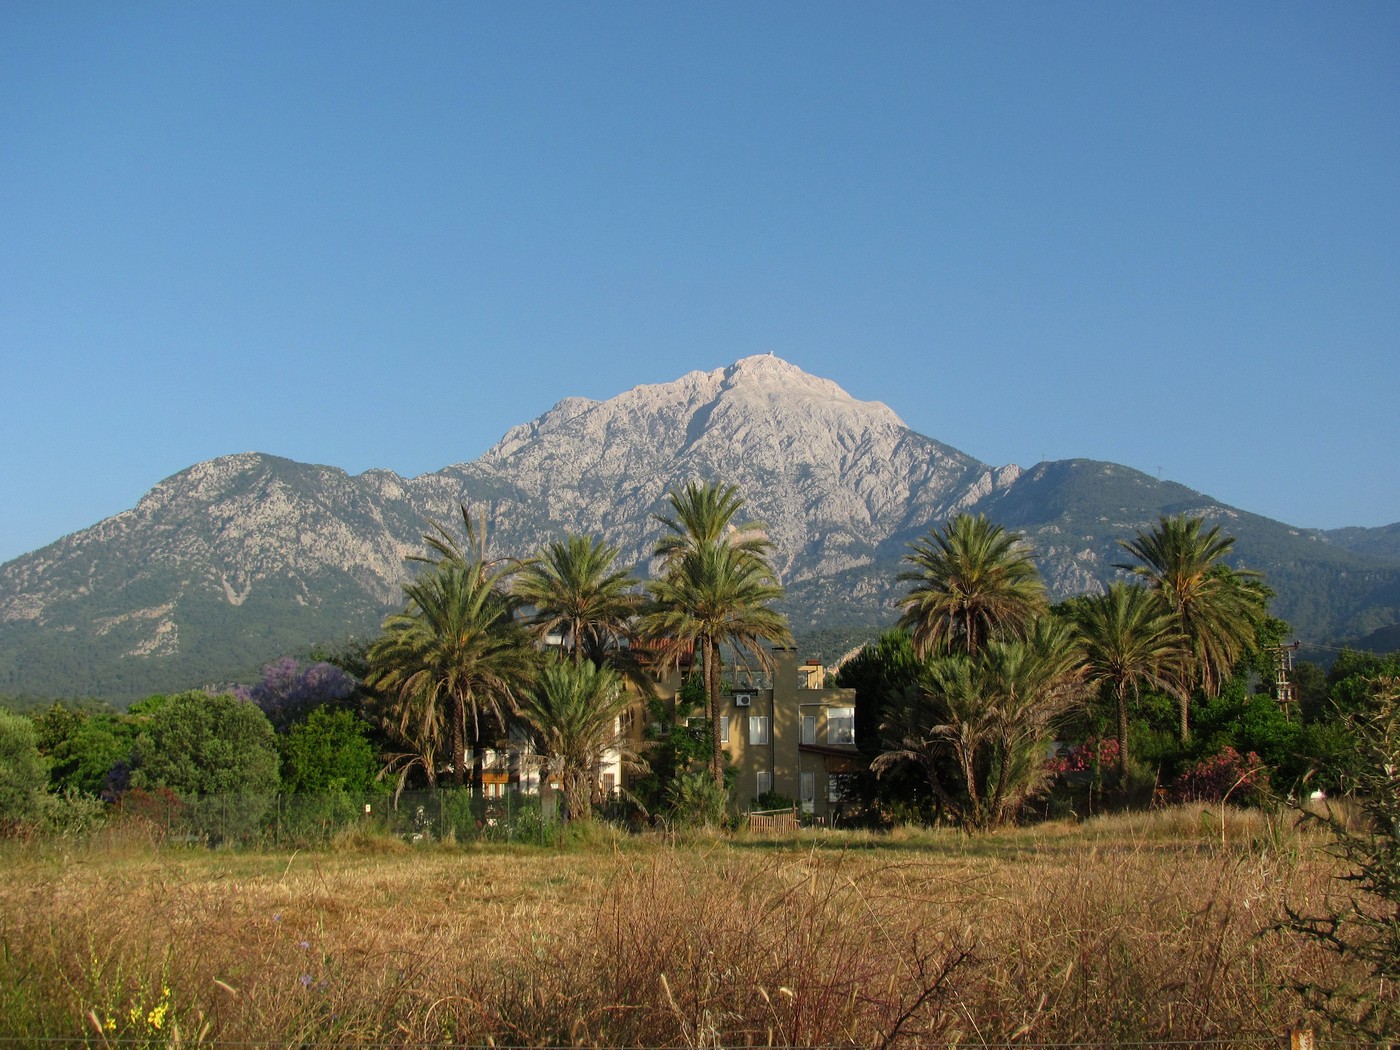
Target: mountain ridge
{"type": "Point", "coordinates": [238, 559]}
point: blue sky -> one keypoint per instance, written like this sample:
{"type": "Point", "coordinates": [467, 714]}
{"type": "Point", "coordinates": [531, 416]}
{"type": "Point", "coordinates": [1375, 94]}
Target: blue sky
{"type": "Point", "coordinates": [368, 235]}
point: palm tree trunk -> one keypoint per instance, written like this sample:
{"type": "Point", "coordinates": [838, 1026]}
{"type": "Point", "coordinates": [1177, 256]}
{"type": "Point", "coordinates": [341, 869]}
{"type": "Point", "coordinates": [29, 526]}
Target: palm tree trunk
{"type": "Point", "coordinates": [1184, 707]}
{"type": "Point", "coordinates": [1122, 737]}
{"type": "Point", "coordinates": [711, 652]}
{"type": "Point", "coordinates": [968, 759]}
{"type": "Point", "coordinates": [996, 801]}
{"type": "Point", "coordinates": [457, 741]}
{"type": "Point", "coordinates": [577, 795]}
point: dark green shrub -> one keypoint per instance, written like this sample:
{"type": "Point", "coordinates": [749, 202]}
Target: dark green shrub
{"type": "Point", "coordinates": [219, 754]}
{"type": "Point", "coordinates": [24, 774]}
{"type": "Point", "coordinates": [772, 800]}
{"type": "Point", "coordinates": [1365, 924]}
{"type": "Point", "coordinates": [330, 751]}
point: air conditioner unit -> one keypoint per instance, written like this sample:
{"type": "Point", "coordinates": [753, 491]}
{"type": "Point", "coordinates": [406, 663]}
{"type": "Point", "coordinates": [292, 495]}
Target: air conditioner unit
{"type": "Point", "coordinates": [743, 699]}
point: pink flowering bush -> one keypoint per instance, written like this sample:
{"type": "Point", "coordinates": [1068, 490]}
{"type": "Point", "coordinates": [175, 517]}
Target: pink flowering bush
{"type": "Point", "coordinates": [1082, 758]}
{"type": "Point", "coordinates": [1243, 779]}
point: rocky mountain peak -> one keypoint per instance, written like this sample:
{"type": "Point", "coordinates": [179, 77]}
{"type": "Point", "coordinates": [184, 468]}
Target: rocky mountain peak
{"type": "Point", "coordinates": [830, 475]}
{"type": "Point", "coordinates": [244, 558]}
{"type": "Point", "coordinates": [757, 397]}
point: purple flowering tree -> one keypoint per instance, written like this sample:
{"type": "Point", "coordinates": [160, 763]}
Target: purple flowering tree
{"type": "Point", "coordinates": [289, 692]}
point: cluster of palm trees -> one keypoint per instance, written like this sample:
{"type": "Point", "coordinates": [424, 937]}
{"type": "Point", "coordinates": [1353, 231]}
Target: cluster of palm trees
{"type": "Point", "coordinates": [1001, 666]}
{"type": "Point", "coordinates": [547, 644]}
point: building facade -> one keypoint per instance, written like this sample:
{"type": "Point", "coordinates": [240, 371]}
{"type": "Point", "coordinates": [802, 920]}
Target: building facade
{"type": "Point", "coordinates": [788, 734]}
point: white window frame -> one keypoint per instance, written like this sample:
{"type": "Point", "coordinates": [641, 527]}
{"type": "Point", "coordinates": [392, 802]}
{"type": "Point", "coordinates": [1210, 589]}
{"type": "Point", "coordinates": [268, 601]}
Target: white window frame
{"type": "Point", "coordinates": [724, 729]}
{"type": "Point", "coordinates": [807, 791]}
{"type": "Point", "coordinates": [762, 782]}
{"type": "Point", "coordinates": [809, 729]}
{"type": "Point", "coordinates": [758, 730]}
{"type": "Point", "coordinates": [839, 726]}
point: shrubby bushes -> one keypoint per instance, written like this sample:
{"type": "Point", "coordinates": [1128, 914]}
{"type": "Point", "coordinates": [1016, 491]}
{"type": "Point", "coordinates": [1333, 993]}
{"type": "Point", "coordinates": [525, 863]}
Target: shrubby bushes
{"type": "Point", "coordinates": [198, 764]}
{"type": "Point", "coordinates": [23, 772]}
{"type": "Point", "coordinates": [330, 751]}
{"type": "Point", "coordinates": [199, 746]}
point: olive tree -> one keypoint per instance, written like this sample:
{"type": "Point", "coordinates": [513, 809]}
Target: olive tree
{"type": "Point", "coordinates": [218, 753]}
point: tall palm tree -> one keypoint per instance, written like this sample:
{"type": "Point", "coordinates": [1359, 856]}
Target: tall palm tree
{"type": "Point", "coordinates": [1131, 640]}
{"type": "Point", "coordinates": [578, 594]}
{"type": "Point", "coordinates": [715, 595]}
{"type": "Point", "coordinates": [704, 513]}
{"type": "Point", "coordinates": [574, 712]}
{"type": "Point", "coordinates": [456, 655]}
{"type": "Point", "coordinates": [470, 550]}
{"type": "Point", "coordinates": [973, 581]}
{"type": "Point", "coordinates": [1213, 606]}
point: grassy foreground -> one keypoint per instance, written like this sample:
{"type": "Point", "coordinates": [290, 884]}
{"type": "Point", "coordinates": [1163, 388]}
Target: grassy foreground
{"type": "Point", "coordinates": [1144, 929]}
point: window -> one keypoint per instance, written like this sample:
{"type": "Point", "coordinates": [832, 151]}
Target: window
{"type": "Point", "coordinates": [758, 729]}
{"type": "Point", "coordinates": [609, 784]}
{"type": "Point", "coordinates": [809, 729]}
{"type": "Point", "coordinates": [809, 791]}
{"type": "Point", "coordinates": [841, 725]}
{"type": "Point", "coordinates": [763, 782]}
{"type": "Point", "coordinates": [724, 729]}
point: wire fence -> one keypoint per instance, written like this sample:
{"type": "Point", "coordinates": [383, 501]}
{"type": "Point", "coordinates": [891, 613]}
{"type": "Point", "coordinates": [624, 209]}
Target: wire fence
{"type": "Point", "coordinates": [284, 821]}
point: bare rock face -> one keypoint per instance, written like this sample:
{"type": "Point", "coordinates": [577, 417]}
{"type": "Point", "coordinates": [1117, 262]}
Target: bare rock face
{"type": "Point", "coordinates": [831, 477]}
{"type": "Point", "coordinates": [241, 559]}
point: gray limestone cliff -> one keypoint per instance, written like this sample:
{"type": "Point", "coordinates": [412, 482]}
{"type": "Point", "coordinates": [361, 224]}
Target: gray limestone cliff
{"type": "Point", "coordinates": [237, 560]}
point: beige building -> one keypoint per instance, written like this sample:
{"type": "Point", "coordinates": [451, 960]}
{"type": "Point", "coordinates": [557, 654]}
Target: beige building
{"type": "Point", "coordinates": [785, 734]}
{"type": "Point", "coordinates": [788, 734]}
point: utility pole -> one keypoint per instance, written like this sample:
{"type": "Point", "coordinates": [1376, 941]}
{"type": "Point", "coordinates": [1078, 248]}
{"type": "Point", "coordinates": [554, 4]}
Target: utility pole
{"type": "Point", "coordinates": [1283, 684]}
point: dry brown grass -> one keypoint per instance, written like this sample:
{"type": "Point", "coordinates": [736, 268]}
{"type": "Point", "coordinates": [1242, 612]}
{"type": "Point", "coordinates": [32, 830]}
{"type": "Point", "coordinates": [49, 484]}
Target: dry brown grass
{"type": "Point", "coordinates": [1132, 929]}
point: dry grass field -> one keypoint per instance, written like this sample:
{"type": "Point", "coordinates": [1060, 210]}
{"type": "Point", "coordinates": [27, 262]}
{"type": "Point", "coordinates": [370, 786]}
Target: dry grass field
{"type": "Point", "coordinates": [1150, 930]}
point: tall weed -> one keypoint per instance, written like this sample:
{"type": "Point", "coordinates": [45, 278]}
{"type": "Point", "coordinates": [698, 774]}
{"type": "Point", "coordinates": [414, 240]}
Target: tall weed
{"type": "Point", "coordinates": [1117, 932]}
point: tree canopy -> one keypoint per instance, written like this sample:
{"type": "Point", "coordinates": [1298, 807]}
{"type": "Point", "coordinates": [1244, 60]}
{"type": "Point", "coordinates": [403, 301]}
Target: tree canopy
{"type": "Point", "coordinates": [1214, 607]}
{"type": "Point", "coordinates": [713, 593]}
{"type": "Point", "coordinates": [973, 581]}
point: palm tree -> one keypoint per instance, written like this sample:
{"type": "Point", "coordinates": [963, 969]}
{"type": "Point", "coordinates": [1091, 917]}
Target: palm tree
{"type": "Point", "coordinates": [1213, 606]}
{"type": "Point", "coordinates": [714, 595]}
{"type": "Point", "coordinates": [992, 713]}
{"type": "Point", "coordinates": [1131, 640]}
{"type": "Point", "coordinates": [577, 594]}
{"type": "Point", "coordinates": [704, 513]}
{"type": "Point", "coordinates": [941, 720]}
{"type": "Point", "coordinates": [468, 551]}
{"type": "Point", "coordinates": [973, 581]}
{"type": "Point", "coordinates": [455, 654]}
{"type": "Point", "coordinates": [1030, 684]}
{"type": "Point", "coordinates": [574, 712]}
